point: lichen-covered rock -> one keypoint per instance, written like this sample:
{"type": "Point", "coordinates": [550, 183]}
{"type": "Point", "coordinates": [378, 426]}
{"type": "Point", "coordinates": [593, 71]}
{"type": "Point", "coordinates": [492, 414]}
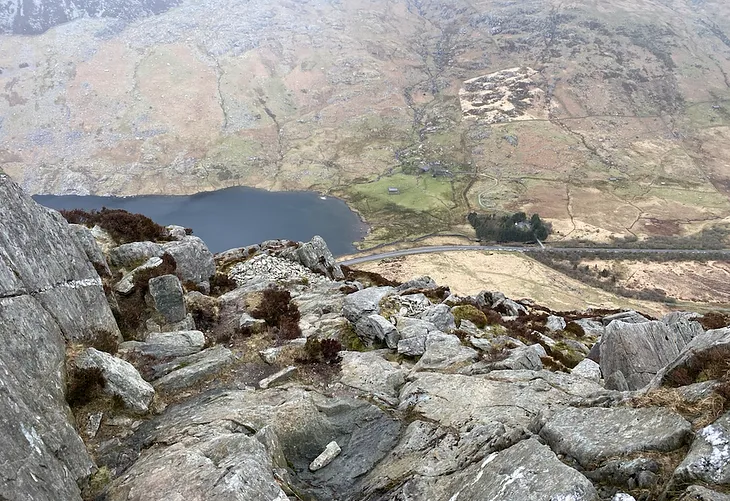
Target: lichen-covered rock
{"type": "Point", "coordinates": [132, 254]}
{"type": "Point", "coordinates": [85, 239]}
{"type": "Point", "coordinates": [592, 435]}
{"type": "Point", "coordinates": [640, 350]}
{"type": "Point", "coordinates": [167, 344]}
{"type": "Point", "coordinates": [194, 261]}
{"type": "Point", "coordinates": [126, 284]}
{"type": "Point", "coordinates": [120, 379]}
{"type": "Point", "coordinates": [186, 371]}
{"type": "Point", "coordinates": [699, 493]}
{"type": "Point", "coordinates": [708, 459]}
{"type": "Point", "coordinates": [528, 471]}
{"type": "Point", "coordinates": [375, 328]}
{"type": "Point", "coordinates": [49, 293]}
{"type": "Point", "coordinates": [555, 323]}
{"type": "Point", "coordinates": [439, 315]}
{"type": "Point", "coordinates": [588, 369]}
{"type": "Point", "coordinates": [364, 302]}
{"type": "Point", "coordinates": [167, 298]}
{"type": "Point", "coordinates": [371, 374]}
{"type": "Point", "coordinates": [316, 256]}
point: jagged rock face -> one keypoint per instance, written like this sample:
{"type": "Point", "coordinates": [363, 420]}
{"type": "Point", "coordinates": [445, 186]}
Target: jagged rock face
{"type": "Point", "coordinates": [48, 291]}
{"type": "Point", "coordinates": [32, 17]}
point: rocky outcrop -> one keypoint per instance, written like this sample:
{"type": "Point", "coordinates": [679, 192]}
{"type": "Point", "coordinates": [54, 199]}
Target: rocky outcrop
{"type": "Point", "coordinates": [49, 294]}
{"type": "Point", "coordinates": [640, 350]}
{"type": "Point", "coordinates": [194, 261]}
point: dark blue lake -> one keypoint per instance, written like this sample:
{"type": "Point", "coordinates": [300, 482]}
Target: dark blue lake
{"type": "Point", "coordinates": [236, 217]}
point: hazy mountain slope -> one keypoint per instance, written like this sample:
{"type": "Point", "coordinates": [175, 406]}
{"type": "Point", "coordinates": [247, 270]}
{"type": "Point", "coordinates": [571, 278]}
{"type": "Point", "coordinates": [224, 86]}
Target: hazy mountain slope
{"type": "Point", "coordinates": [619, 125]}
{"type": "Point", "coordinates": [31, 17]}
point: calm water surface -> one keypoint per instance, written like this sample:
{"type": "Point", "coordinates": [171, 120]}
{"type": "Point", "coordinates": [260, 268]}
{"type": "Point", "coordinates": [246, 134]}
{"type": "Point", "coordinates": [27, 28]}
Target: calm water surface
{"type": "Point", "coordinates": [235, 217]}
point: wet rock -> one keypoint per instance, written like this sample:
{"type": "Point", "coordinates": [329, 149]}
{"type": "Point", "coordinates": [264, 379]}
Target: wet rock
{"type": "Point", "coordinates": [120, 379]}
{"type": "Point", "coordinates": [592, 435]}
{"type": "Point", "coordinates": [167, 297]}
{"type": "Point", "coordinates": [328, 455]}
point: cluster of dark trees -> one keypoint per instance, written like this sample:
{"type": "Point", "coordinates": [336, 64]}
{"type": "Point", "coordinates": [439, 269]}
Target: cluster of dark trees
{"type": "Point", "coordinates": [505, 228]}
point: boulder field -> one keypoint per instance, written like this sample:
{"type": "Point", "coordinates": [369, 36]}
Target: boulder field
{"type": "Point", "coordinates": [157, 371]}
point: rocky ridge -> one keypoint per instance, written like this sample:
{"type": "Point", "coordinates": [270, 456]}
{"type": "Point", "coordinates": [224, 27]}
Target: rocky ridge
{"type": "Point", "coordinates": [277, 375]}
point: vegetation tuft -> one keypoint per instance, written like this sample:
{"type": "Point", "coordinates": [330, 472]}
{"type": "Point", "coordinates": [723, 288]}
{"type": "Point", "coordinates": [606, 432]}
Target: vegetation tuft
{"type": "Point", "coordinates": [278, 311]}
{"type": "Point", "coordinates": [470, 313]}
{"type": "Point", "coordinates": [83, 386]}
{"type": "Point", "coordinates": [123, 226]}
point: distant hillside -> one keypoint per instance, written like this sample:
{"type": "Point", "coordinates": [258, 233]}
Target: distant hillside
{"type": "Point", "coordinates": [609, 119]}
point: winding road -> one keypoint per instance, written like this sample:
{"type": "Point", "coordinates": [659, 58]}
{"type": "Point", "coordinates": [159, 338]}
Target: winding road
{"type": "Point", "coordinates": [506, 248]}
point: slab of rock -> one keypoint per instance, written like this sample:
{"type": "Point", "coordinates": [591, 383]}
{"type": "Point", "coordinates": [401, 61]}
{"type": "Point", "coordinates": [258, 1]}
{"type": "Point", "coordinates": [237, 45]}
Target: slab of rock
{"type": "Point", "coordinates": [168, 344]}
{"type": "Point", "coordinates": [282, 376]}
{"type": "Point", "coordinates": [587, 369]}
{"type": "Point", "coordinates": [375, 328]}
{"type": "Point", "coordinates": [592, 435]}
{"type": "Point", "coordinates": [708, 459]}
{"type": "Point", "coordinates": [370, 373]}
{"type": "Point", "coordinates": [248, 322]}
{"type": "Point", "coordinates": [639, 350]}
{"type": "Point", "coordinates": [524, 357]}
{"type": "Point", "coordinates": [194, 261]}
{"type": "Point", "coordinates": [416, 345]}
{"type": "Point", "coordinates": [133, 254]}
{"type": "Point", "coordinates": [417, 284]}
{"type": "Point", "coordinates": [328, 455]}
{"type": "Point", "coordinates": [440, 316]}
{"type": "Point", "coordinates": [444, 353]}
{"type": "Point", "coordinates": [231, 467]}
{"type": "Point", "coordinates": [528, 471]}
{"type": "Point", "coordinates": [699, 493]}
{"type": "Point", "coordinates": [85, 239]}
{"type": "Point", "coordinates": [206, 363]}
{"type": "Point", "coordinates": [167, 297]}
{"type": "Point", "coordinates": [120, 379]}
{"type": "Point", "coordinates": [629, 317]}
{"type": "Point", "coordinates": [364, 302]}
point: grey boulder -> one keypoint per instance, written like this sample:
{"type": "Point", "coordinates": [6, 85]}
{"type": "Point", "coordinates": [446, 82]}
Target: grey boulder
{"type": "Point", "coordinates": [439, 315]}
{"type": "Point", "coordinates": [167, 297]}
{"type": "Point", "coordinates": [375, 328]}
{"type": "Point", "coordinates": [133, 254]}
{"type": "Point", "coordinates": [640, 350]}
{"type": "Point", "coordinates": [187, 371]}
{"type": "Point", "coordinates": [709, 457]}
{"type": "Point", "coordinates": [167, 344]}
{"type": "Point", "coordinates": [120, 379]}
{"type": "Point", "coordinates": [85, 239]}
{"type": "Point", "coordinates": [194, 261]}
{"type": "Point", "coordinates": [364, 302]}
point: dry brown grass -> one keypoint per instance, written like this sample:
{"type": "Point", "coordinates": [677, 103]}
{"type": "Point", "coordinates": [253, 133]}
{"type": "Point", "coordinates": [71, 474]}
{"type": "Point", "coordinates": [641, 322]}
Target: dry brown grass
{"type": "Point", "coordinates": [700, 413]}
